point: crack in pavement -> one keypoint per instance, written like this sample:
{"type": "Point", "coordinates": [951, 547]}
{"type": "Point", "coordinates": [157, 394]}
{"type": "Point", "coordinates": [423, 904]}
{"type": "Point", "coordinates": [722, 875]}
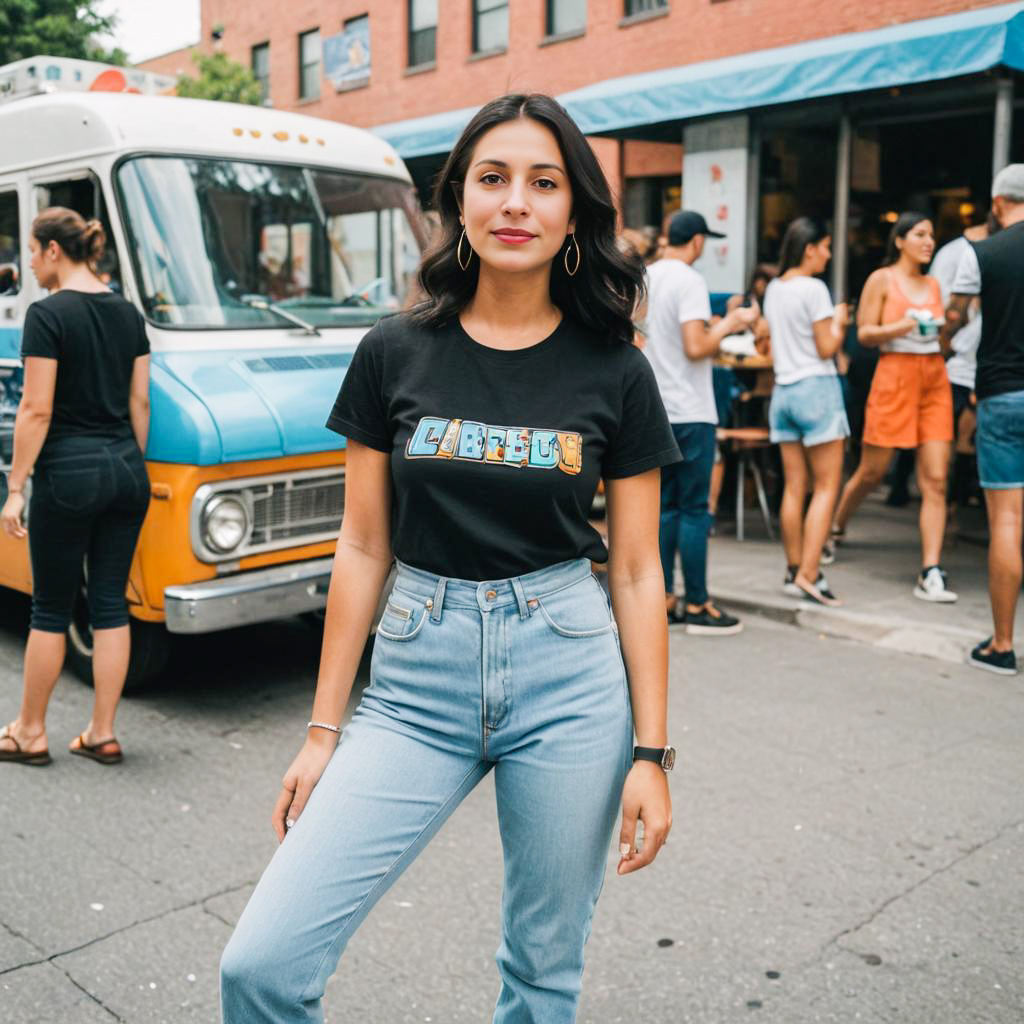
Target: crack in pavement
{"type": "Point", "coordinates": [882, 907]}
{"type": "Point", "coordinates": [24, 938]}
{"type": "Point", "coordinates": [81, 988]}
{"type": "Point", "coordinates": [128, 927]}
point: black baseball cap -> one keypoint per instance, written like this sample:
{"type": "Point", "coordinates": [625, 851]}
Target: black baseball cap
{"type": "Point", "coordinates": [685, 224]}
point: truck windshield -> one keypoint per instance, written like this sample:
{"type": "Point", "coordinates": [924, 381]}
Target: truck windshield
{"type": "Point", "coordinates": [209, 238]}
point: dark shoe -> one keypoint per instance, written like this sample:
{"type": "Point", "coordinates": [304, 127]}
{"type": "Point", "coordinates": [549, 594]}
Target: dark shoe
{"type": "Point", "coordinates": [711, 621]}
{"type": "Point", "coordinates": [819, 593]}
{"type": "Point", "coordinates": [19, 756]}
{"type": "Point", "coordinates": [107, 752]}
{"type": "Point", "coordinates": [931, 586]}
{"type": "Point", "coordinates": [677, 616]}
{"type": "Point", "coordinates": [828, 553]}
{"type": "Point", "coordinates": [1002, 662]}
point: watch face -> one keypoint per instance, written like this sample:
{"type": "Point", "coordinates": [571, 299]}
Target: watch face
{"type": "Point", "coordinates": [668, 761]}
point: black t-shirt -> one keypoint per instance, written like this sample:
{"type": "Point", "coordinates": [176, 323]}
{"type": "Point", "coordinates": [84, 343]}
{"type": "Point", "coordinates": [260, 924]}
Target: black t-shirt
{"type": "Point", "coordinates": [1001, 349]}
{"type": "Point", "coordinates": [95, 338]}
{"type": "Point", "coordinates": [495, 454]}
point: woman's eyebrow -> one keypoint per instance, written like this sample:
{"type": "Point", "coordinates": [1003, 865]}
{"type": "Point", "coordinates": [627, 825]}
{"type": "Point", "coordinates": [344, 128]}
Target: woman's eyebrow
{"type": "Point", "coordinates": [533, 167]}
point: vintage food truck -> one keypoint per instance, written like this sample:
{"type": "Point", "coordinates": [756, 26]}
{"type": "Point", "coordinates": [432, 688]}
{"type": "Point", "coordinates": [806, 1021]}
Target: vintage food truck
{"type": "Point", "coordinates": [259, 246]}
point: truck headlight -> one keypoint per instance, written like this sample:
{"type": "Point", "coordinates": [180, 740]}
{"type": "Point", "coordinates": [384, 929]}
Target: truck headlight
{"type": "Point", "coordinates": [225, 523]}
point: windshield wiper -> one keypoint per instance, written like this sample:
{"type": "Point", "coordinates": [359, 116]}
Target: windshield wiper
{"type": "Point", "coordinates": [265, 305]}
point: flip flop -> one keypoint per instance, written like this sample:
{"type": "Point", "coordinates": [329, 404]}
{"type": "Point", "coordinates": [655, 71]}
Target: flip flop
{"type": "Point", "coordinates": [818, 595]}
{"type": "Point", "coordinates": [97, 752]}
{"type": "Point", "coordinates": [19, 756]}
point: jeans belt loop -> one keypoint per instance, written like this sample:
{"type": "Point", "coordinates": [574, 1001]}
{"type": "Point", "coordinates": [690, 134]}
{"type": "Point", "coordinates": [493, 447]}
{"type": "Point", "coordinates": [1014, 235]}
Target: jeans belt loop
{"type": "Point", "coordinates": [517, 588]}
{"type": "Point", "coordinates": [435, 611]}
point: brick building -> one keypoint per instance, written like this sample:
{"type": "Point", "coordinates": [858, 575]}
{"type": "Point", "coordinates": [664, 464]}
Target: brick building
{"type": "Point", "coordinates": [849, 111]}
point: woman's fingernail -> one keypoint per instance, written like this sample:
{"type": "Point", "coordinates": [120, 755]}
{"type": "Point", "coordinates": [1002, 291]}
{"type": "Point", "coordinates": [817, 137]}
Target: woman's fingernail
{"type": "Point", "coordinates": [288, 822]}
{"type": "Point", "coordinates": [623, 849]}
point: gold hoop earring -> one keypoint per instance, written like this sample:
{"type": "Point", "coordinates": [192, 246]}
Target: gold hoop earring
{"type": "Point", "coordinates": [458, 252]}
{"type": "Point", "coordinates": [579, 256]}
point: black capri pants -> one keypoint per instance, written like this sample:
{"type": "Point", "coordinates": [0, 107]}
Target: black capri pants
{"type": "Point", "coordinates": [89, 498]}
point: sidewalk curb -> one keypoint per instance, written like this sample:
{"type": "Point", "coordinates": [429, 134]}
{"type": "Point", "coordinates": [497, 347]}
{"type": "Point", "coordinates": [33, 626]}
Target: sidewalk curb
{"type": "Point", "coordinates": [939, 641]}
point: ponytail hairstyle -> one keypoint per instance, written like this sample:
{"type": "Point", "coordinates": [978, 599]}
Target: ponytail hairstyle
{"type": "Point", "coordinates": [905, 223]}
{"type": "Point", "coordinates": [802, 232]}
{"type": "Point", "coordinates": [83, 241]}
{"type": "Point", "coordinates": [609, 285]}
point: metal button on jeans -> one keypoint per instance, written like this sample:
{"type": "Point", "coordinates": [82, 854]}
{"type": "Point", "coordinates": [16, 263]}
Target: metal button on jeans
{"type": "Point", "coordinates": [491, 595]}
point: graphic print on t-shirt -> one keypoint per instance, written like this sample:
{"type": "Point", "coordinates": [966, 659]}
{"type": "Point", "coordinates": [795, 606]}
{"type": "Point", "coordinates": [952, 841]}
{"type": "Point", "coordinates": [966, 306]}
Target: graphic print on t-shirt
{"type": "Point", "coordinates": [527, 447]}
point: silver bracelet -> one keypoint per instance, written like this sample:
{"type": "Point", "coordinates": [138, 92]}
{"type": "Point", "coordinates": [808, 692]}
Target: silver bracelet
{"type": "Point", "coordinates": [324, 725]}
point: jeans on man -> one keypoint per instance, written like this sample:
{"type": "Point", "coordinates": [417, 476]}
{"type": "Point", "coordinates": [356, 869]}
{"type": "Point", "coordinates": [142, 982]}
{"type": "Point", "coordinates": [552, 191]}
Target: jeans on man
{"type": "Point", "coordinates": [685, 519]}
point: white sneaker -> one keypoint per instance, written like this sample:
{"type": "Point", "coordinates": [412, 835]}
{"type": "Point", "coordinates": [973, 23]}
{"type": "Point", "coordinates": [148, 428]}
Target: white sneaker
{"type": "Point", "coordinates": [931, 586]}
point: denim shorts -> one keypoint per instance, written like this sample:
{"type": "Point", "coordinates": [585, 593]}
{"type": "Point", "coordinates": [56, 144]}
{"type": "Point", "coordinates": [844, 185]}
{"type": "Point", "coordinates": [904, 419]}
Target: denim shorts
{"type": "Point", "coordinates": [1000, 441]}
{"type": "Point", "coordinates": [809, 410]}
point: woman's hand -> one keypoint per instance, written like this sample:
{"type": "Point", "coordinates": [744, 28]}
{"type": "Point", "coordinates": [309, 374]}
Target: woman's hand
{"type": "Point", "coordinates": [11, 515]}
{"type": "Point", "coordinates": [645, 797]}
{"type": "Point", "coordinates": [298, 782]}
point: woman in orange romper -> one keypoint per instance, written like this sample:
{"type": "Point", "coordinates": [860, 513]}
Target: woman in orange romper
{"type": "Point", "coordinates": [911, 401]}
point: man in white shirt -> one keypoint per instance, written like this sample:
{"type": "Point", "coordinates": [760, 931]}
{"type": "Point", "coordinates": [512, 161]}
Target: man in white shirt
{"type": "Point", "coordinates": [680, 345]}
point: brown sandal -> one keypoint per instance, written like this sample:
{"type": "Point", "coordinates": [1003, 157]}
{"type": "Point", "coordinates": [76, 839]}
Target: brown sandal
{"type": "Point", "coordinates": [107, 752]}
{"type": "Point", "coordinates": [19, 756]}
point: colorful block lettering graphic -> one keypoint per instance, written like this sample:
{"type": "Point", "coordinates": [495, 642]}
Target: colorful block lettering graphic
{"type": "Point", "coordinates": [471, 441]}
{"type": "Point", "coordinates": [571, 446]}
{"type": "Point", "coordinates": [426, 437]}
{"type": "Point", "coordinates": [544, 449]}
{"type": "Point", "coordinates": [447, 449]}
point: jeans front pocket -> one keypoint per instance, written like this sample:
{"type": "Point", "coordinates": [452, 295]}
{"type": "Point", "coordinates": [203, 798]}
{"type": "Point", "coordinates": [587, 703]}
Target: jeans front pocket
{"type": "Point", "coordinates": [403, 617]}
{"type": "Point", "coordinates": [73, 488]}
{"type": "Point", "coordinates": [578, 611]}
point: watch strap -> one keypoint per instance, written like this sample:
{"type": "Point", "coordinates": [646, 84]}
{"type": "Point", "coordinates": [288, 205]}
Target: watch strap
{"type": "Point", "coordinates": [655, 754]}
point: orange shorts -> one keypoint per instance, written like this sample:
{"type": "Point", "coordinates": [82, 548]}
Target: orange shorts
{"type": "Point", "coordinates": [911, 401]}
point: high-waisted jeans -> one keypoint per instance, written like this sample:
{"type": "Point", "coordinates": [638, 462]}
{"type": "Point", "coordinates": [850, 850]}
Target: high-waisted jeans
{"type": "Point", "coordinates": [522, 675]}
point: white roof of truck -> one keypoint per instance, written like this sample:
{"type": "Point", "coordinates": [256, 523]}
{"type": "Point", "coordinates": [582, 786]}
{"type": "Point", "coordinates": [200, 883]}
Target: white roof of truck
{"type": "Point", "coordinates": [58, 127]}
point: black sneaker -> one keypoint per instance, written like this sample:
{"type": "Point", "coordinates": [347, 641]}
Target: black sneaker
{"type": "Point", "coordinates": [712, 622]}
{"type": "Point", "coordinates": [1002, 662]}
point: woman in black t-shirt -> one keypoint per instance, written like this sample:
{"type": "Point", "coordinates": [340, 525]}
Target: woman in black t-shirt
{"type": "Point", "coordinates": [478, 428]}
{"type": "Point", "coordinates": [81, 426]}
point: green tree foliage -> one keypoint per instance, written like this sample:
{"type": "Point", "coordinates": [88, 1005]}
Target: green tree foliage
{"type": "Point", "coordinates": [220, 78]}
{"type": "Point", "coordinates": [56, 28]}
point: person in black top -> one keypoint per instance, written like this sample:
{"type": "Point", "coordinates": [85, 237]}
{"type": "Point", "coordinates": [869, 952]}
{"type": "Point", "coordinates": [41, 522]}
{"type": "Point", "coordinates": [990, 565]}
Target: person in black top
{"type": "Point", "coordinates": [478, 427]}
{"type": "Point", "coordinates": [82, 426]}
{"type": "Point", "coordinates": [994, 269]}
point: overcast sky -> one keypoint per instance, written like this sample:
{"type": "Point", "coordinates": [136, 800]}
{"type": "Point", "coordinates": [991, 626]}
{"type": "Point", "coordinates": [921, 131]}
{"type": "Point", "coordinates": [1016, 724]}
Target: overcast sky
{"type": "Point", "coordinates": [147, 28]}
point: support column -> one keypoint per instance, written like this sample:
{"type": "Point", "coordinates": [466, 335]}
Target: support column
{"type": "Point", "coordinates": [1003, 128]}
{"type": "Point", "coordinates": [753, 196]}
{"type": "Point", "coordinates": [841, 216]}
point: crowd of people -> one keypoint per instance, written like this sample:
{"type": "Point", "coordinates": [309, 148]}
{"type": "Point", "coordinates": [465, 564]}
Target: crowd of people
{"type": "Point", "coordinates": [948, 327]}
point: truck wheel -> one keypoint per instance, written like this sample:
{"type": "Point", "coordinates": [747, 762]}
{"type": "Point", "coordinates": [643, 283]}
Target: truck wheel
{"type": "Point", "coordinates": [151, 646]}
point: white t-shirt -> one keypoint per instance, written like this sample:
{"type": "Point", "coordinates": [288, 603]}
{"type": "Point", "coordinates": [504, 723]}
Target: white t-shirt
{"type": "Point", "coordinates": [792, 308]}
{"type": "Point", "coordinates": [962, 365]}
{"type": "Point", "coordinates": [677, 294]}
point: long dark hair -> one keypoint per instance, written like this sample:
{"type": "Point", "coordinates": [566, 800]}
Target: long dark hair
{"type": "Point", "coordinates": [603, 293]}
{"type": "Point", "coordinates": [802, 232]}
{"type": "Point", "coordinates": [83, 241]}
{"type": "Point", "coordinates": [905, 223]}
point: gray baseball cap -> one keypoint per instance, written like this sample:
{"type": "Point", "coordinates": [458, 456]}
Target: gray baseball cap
{"type": "Point", "coordinates": [1009, 183]}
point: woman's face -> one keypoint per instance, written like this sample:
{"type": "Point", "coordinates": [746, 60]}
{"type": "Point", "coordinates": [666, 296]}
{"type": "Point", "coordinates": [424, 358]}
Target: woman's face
{"type": "Point", "coordinates": [919, 242]}
{"type": "Point", "coordinates": [819, 255]}
{"type": "Point", "coordinates": [43, 262]}
{"type": "Point", "coordinates": [516, 199]}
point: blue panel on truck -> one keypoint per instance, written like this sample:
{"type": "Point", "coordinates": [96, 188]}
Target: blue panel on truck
{"type": "Point", "coordinates": [10, 342]}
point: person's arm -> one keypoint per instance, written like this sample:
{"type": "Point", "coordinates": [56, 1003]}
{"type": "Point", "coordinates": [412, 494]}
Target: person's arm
{"type": "Point", "coordinates": [965, 287]}
{"type": "Point", "coordinates": [701, 341]}
{"type": "Point", "coordinates": [362, 562]}
{"type": "Point", "coordinates": [829, 333]}
{"type": "Point", "coordinates": [31, 425]}
{"type": "Point", "coordinates": [870, 331]}
{"type": "Point", "coordinates": [636, 585]}
{"type": "Point", "coordinates": [956, 317]}
{"type": "Point", "coordinates": [138, 401]}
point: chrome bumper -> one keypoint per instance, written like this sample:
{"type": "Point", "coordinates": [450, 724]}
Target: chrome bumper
{"type": "Point", "coordinates": [257, 596]}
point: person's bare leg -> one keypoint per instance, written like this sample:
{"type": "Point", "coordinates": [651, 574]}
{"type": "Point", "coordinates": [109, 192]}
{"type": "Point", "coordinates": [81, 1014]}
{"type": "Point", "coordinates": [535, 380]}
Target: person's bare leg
{"type": "Point", "coordinates": [932, 474]}
{"type": "Point", "coordinates": [794, 494]}
{"type": "Point", "coordinates": [1005, 519]}
{"type": "Point", "coordinates": [111, 649]}
{"type": "Point", "coordinates": [874, 464]}
{"type": "Point", "coordinates": [717, 477]}
{"type": "Point", "coordinates": [44, 658]}
{"type": "Point", "coordinates": [827, 471]}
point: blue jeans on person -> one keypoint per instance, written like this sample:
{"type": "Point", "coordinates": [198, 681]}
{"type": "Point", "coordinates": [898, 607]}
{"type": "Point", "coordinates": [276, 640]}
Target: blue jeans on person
{"type": "Point", "coordinates": [523, 676]}
{"type": "Point", "coordinates": [685, 520]}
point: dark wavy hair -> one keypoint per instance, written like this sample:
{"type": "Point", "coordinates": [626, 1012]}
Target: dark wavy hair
{"type": "Point", "coordinates": [83, 241]}
{"type": "Point", "coordinates": [802, 232]}
{"type": "Point", "coordinates": [905, 223]}
{"type": "Point", "coordinates": [605, 291]}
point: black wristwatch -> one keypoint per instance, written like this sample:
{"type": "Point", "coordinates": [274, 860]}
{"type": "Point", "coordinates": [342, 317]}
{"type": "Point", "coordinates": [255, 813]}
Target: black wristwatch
{"type": "Point", "coordinates": [665, 756]}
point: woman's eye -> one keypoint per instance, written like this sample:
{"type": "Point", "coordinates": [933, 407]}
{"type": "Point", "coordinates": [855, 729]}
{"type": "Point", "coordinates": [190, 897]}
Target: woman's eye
{"type": "Point", "coordinates": [490, 179]}
{"type": "Point", "coordinates": [546, 183]}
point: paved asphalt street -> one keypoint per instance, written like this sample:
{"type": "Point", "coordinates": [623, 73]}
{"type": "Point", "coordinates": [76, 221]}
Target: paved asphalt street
{"type": "Point", "coordinates": [849, 846]}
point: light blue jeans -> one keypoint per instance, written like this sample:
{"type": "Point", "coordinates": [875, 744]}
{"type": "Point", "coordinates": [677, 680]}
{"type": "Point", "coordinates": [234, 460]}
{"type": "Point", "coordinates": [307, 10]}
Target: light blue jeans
{"type": "Point", "coordinates": [523, 676]}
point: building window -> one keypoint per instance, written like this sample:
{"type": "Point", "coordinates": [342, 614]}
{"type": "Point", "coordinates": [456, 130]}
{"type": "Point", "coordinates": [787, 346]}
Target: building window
{"type": "Point", "coordinates": [261, 69]}
{"type": "Point", "coordinates": [422, 32]}
{"type": "Point", "coordinates": [309, 65]}
{"type": "Point", "coordinates": [566, 16]}
{"type": "Point", "coordinates": [490, 25]}
{"type": "Point", "coordinates": [644, 6]}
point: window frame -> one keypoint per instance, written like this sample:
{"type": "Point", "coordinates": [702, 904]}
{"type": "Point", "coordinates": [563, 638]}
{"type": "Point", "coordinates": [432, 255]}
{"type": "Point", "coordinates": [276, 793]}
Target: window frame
{"type": "Point", "coordinates": [11, 189]}
{"type": "Point", "coordinates": [644, 8]}
{"type": "Point", "coordinates": [303, 36]}
{"type": "Point", "coordinates": [264, 80]}
{"type": "Point", "coordinates": [551, 32]}
{"type": "Point", "coordinates": [476, 12]}
{"type": "Point", "coordinates": [411, 33]}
